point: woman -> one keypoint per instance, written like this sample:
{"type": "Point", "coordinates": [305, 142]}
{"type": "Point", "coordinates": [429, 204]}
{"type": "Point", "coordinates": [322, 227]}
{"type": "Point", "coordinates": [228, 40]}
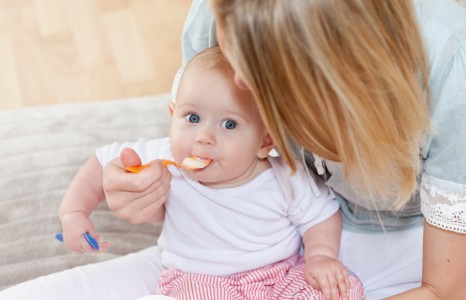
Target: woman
{"type": "Point", "coordinates": [349, 81]}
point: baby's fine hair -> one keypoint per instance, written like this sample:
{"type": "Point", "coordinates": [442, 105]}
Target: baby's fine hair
{"type": "Point", "coordinates": [210, 58]}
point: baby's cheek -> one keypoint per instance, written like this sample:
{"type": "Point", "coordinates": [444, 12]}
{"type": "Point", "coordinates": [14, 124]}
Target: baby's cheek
{"type": "Point", "coordinates": [177, 149]}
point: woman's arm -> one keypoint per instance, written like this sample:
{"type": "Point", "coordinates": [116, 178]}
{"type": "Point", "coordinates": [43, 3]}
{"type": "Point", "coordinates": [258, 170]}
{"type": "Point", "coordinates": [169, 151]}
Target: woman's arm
{"type": "Point", "coordinates": [444, 266]}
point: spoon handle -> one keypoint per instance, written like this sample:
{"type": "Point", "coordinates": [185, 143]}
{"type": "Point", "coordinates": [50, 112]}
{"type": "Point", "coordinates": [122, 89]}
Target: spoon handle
{"type": "Point", "coordinates": [92, 241]}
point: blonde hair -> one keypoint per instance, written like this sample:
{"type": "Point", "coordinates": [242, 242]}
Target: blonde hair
{"type": "Point", "coordinates": [347, 80]}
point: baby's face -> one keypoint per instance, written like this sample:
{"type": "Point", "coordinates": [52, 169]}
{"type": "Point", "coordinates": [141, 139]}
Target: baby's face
{"type": "Point", "coordinates": [215, 119]}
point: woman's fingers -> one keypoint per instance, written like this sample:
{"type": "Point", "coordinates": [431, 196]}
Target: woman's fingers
{"type": "Point", "coordinates": [147, 214]}
{"type": "Point", "coordinates": [140, 210]}
{"type": "Point", "coordinates": [116, 179]}
{"type": "Point", "coordinates": [136, 212]}
{"type": "Point", "coordinates": [155, 190]}
{"type": "Point", "coordinates": [129, 158]}
{"type": "Point", "coordinates": [135, 197]}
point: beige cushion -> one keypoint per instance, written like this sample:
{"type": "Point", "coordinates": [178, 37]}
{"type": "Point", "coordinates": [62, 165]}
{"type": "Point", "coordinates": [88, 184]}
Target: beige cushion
{"type": "Point", "coordinates": [41, 150]}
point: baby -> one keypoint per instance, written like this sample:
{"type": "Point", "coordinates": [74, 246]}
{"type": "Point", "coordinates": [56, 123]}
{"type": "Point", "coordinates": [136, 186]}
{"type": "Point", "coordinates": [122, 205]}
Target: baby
{"type": "Point", "coordinates": [244, 226]}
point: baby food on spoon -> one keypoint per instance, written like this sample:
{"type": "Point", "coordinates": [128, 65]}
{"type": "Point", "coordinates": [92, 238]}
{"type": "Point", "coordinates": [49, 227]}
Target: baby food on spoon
{"type": "Point", "coordinates": [189, 163]}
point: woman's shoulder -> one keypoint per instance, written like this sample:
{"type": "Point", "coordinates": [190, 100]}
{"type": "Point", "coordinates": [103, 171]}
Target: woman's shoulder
{"type": "Point", "coordinates": [198, 31]}
{"type": "Point", "coordinates": [443, 27]}
{"type": "Point", "coordinates": [441, 15]}
{"type": "Point", "coordinates": [443, 185]}
{"type": "Point", "coordinates": [443, 24]}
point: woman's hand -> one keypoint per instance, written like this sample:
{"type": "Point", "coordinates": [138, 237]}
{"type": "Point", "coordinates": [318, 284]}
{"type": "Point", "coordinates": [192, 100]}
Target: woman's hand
{"type": "Point", "coordinates": [74, 225]}
{"type": "Point", "coordinates": [139, 197]}
{"type": "Point", "coordinates": [327, 275]}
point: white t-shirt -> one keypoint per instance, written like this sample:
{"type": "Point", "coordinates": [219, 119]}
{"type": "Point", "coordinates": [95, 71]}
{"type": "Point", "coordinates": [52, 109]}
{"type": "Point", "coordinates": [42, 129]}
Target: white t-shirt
{"type": "Point", "coordinates": [226, 231]}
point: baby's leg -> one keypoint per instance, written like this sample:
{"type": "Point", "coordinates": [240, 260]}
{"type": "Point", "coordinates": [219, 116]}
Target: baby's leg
{"type": "Point", "coordinates": [293, 286]}
{"type": "Point", "coordinates": [127, 277]}
{"type": "Point", "coordinates": [253, 284]}
{"type": "Point", "coordinates": [192, 286]}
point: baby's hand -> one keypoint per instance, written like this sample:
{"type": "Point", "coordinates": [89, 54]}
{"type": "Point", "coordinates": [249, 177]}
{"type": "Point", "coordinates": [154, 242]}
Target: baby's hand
{"type": "Point", "coordinates": [327, 275]}
{"type": "Point", "coordinates": [74, 226]}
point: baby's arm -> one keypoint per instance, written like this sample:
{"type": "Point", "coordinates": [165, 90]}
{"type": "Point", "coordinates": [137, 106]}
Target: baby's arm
{"type": "Point", "coordinates": [82, 197]}
{"type": "Point", "coordinates": [322, 270]}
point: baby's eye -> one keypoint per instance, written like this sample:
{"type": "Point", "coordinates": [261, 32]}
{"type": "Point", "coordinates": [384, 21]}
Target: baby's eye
{"type": "Point", "coordinates": [229, 124]}
{"type": "Point", "coordinates": [193, 118]}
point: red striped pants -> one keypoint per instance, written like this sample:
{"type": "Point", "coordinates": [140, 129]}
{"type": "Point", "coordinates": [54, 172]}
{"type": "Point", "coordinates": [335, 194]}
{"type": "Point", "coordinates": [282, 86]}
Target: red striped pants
{"type": "Point", "coordinates": [281, 280]}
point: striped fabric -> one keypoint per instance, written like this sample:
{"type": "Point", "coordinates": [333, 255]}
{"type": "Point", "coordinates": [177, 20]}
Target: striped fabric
{"type": "Point", "coordinates": [281, 280]}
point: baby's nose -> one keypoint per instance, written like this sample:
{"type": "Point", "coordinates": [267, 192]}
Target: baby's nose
{"type": "Point", "coordinates": [205, 135]}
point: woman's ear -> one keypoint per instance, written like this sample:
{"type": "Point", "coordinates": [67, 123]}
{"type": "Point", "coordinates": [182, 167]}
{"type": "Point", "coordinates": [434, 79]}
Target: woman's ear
{"type": "Point", "coordinates": [266, 147]}
{"type": "Point", "coordinates": [171, 108]}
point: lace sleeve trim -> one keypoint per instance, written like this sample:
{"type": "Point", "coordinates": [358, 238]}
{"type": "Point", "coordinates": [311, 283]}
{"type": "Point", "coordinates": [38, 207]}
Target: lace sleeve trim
{"type": "Point", "coordinates": [443, 203]}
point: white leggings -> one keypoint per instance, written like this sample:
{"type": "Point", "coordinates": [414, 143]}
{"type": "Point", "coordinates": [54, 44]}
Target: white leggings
{"type": "Point", "coordinates": [386, 263]}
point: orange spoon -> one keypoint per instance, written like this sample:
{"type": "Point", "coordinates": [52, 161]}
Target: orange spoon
{"type": "Point", "coordinates": [189, 163]}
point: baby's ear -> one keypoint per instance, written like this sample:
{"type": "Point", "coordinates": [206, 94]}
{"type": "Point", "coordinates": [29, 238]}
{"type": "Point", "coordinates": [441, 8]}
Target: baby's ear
{"type": "Point", "coordinates": [266, 147]}
{"type": "Point", "coordinates": [171, 108]}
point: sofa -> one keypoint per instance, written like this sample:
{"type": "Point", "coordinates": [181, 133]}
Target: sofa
{"type": "Point", "coordinates": [41, 149]}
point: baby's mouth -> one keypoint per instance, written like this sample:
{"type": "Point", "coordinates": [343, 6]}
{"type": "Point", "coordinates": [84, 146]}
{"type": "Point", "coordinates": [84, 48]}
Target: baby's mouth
{"type": "Point", "coordinates": [196, 162]}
